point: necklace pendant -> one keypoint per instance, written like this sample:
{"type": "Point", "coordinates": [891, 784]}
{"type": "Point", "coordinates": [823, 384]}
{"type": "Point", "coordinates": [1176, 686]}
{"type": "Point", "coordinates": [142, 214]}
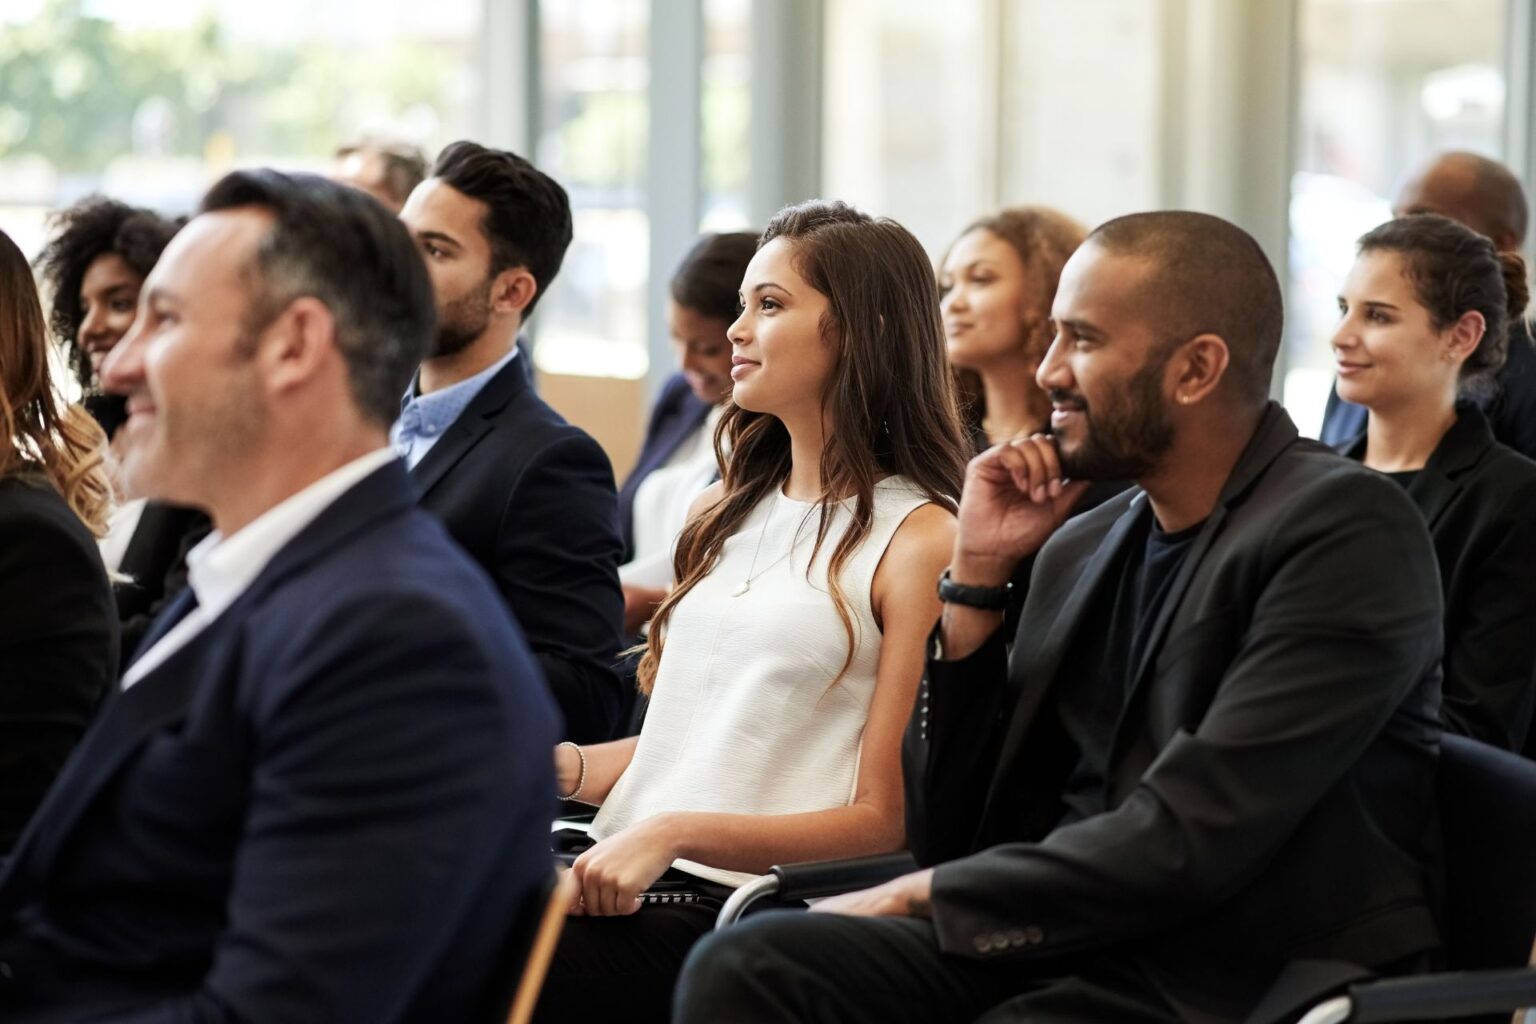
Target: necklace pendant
{"type": "Point", "coordinates": [746, 585]}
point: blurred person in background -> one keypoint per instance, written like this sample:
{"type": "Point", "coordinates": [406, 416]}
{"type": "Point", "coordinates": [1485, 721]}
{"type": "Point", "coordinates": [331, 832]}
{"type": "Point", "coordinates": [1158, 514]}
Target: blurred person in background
{"type": "Point", "coordinates": [93, 268]}
{"type": "Point", "coordinates": [58, 625]}
{"type": "Point", "coordinates": [1486, 197]}
{"type": "Point", "coordinates": [677, 460]}
{"type": "Point", "coordinates": [1423, 331]}
{"type": "Point", "coordinates": [385, 169]}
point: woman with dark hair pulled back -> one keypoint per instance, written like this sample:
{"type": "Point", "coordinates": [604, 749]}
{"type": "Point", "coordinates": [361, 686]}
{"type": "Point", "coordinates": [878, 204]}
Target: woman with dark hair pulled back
{"type": "Point", "coordinates": [1425, 312]}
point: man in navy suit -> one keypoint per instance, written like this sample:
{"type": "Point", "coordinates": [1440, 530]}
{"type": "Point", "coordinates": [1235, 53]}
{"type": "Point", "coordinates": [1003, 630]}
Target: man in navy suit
{"type": "Point", "coordinates": [529, 496]}
{"type": "Point", "coordinates": [1487, 198]}
{"type": "Point", "coordinates": [322, 792]}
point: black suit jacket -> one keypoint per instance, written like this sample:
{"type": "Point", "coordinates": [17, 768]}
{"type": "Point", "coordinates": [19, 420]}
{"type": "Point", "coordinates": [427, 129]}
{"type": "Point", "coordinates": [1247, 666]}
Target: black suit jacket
{"type": "Point", "coordinates": [58, 642]}
{"type": "Point", "coordinates": [1271, 778]}
{"type": "Point", "coordinates": [1479, 499]}
{"type": "Point", "coordinates": [331, 804]}
{"type": "Point", "coordinates": [154, 566]}
{"type": "Point", "coordinates": [531, 498]}
{"type": "Point", "coordinates": [674, 418]}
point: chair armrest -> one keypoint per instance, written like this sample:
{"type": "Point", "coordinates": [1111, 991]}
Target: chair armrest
{"type": "Point", "coordinates": [1431, 997]}
{"type": "Point", "coordinates": [814, 879]}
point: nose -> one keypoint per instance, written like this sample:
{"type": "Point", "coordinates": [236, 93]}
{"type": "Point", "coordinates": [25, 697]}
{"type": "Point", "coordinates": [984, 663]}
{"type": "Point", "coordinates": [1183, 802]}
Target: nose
{"type": "Point", "coordinates": [1054, 373]}
{"type": "Point", "coordinates": [93, 326]}
{"type": "Point", "coordinates": [739, 333]}
{"type": "Point", "coordinates": [1344, 336]}
{"type": "Point", "coordinates": [953, 299]}
{"type": "Point", "coordinates": [122, 371]}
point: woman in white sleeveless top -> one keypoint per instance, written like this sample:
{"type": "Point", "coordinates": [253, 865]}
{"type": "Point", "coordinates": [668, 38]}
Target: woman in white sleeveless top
{"type": "Point", "coordinates": [784, 665]}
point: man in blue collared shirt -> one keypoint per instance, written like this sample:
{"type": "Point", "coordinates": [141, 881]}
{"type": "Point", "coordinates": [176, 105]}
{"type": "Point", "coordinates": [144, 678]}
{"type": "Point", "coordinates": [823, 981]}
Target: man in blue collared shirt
{"type": "Point", "coordinates": [525, 493]}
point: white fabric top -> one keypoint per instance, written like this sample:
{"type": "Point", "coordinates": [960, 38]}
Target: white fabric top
{"type": "Point", "coordinates": [219, 569]}
{"type": "Point", "coordinates": [120, 528]}
{"type": "Point", "coordinates": [744, 718]}
{"type": "Point", "coordinates": [662, 501]}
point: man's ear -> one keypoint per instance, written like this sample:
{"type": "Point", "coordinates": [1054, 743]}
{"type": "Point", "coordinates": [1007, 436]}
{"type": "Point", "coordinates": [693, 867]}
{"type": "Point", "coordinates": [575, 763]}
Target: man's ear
{"type": "Point", "coordinates": [512, 290]}
{"type": "Point", "coordinates": [292, 349]}
{"type": "Point", "coordinates": [1197, 368]}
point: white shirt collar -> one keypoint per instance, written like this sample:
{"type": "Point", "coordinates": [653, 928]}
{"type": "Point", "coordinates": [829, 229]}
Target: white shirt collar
{"type": "Point", "coordinates": [220, 568]}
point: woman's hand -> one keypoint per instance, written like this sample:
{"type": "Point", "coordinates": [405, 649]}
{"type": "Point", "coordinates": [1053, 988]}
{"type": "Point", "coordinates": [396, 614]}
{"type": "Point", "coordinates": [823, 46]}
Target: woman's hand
{"type": "Point", "coordinates": [612, 874]}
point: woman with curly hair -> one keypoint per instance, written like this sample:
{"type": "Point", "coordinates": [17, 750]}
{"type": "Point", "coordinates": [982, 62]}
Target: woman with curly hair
{"type": "Point", "coordinates": [58, 625]}
{"type": "Point", "coordinates": [93, 268]}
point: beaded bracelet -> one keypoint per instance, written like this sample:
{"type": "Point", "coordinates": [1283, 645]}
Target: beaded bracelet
{"type": "Point", "coordinates": [581, 779]}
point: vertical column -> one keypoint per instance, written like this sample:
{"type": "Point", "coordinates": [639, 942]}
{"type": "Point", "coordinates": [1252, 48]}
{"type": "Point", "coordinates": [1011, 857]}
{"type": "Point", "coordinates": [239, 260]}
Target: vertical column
{"type": "Point", "coordinates": [1520, 98]}
{"type": "Point", "coordinates": [674, 159]}
{"type": "Point", "coordinates": [509, 65]}
{"type": "Point", "coordinates": [788, 41]}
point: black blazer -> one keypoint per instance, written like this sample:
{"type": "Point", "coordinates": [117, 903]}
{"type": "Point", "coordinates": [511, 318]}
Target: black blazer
{"type": "Point", "coordinates": [531, 498]}
{"type": "Point", "coordinates": [58, 642]}
{"type": "Point", "coordinates": [674, 418]}
{"type": "Point", "coordinates": [1479, 499]}
{"type": "Point", "coordinates": [331, 804]}
{"type": "Point", "coordinates": [1271, 778]}
{"type": "Point", "coordinates": [154, 566]}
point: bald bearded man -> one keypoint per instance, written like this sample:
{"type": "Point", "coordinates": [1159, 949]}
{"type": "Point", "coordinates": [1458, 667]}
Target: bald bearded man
{"type": "Point", "coordinates": [1487, 198]}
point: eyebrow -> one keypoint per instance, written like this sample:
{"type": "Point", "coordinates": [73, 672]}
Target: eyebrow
{"type": "Point", "coordinates": [1078, 327]}
{"type": "Point", "coordinates": [158, 293]}
{"type": "Point", "coordinates": [1377, 303]}
{"type": "Point", "coordinates": [438, 236]}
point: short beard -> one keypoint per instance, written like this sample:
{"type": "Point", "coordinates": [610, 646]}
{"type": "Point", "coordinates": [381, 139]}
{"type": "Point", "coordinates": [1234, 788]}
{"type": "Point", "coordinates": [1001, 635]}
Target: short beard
{"type": "Point", "coordinates": [1131, 435]}
{"type": "Point", "coordinates": [462, 321]}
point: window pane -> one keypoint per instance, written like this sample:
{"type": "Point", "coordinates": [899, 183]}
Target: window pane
{"type": "Point", "coordinates": [906, 124]}
{"type": "Point", "coordinates": [151, 100]}
{"type": "Point", "coordinates": [726, 114]}
{"type": "Point", "coordinates": [1047, 157]}
{"type": "Point", "coordinates": [1384, 84]}
{"type": "Point", "coordinates": [592, 139]}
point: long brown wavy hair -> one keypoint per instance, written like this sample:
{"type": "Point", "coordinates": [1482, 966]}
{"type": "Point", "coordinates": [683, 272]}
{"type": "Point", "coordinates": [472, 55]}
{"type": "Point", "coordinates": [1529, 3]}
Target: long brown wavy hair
{"type": "Point", "coordinates": [43, 433]}
{"type": "Point", "coordinates": [890, 401]}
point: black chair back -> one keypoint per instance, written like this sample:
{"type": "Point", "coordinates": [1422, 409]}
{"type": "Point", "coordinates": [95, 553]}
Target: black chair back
{"type": "Point", "coordinates": [1488, 814]}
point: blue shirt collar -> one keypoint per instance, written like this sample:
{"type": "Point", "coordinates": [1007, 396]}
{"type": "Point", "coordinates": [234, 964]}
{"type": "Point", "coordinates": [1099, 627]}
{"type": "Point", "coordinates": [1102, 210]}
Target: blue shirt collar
{"type": "Point", "coordinates": [428, 416]}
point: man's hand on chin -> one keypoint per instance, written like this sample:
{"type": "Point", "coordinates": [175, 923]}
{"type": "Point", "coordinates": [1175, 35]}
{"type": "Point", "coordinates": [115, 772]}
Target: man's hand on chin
{"type": "Point", "coordinates": [907, 896]}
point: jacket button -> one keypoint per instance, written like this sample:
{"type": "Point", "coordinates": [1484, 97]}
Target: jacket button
{"type": "Point", "coordinates": [999, 942]}
{"type": "Point", "coordinates": [1034, 935]}
{"type": "Point", "coordinates": [983, 944]}
{"type": "Point", "coordinates": [1017, 938]}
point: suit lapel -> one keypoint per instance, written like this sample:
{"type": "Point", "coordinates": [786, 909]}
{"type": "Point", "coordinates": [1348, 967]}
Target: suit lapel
{"type": "Point", "coordinates": [1041, 672]}
{"type": "Point", "coordinates": [1458, 451]}
{"type": "Point", "coordinates": [477, 420]}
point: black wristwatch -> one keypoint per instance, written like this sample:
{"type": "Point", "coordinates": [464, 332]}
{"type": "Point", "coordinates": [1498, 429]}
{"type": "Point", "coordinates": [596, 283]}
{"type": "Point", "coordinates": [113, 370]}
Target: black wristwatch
{"type": "Point", "coordinates": [992, 599]}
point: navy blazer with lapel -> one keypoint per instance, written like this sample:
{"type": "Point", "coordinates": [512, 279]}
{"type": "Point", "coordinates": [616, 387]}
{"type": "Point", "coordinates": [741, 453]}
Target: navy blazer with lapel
{"type": "Point", "coordinates": [1510, 409]}
{"type": "Point", "coordinates": [677, 414]}
{"type": "Point", "coordinates": [1479, 499]}
{"type": "Point", "coordinates": [1271, 779]}
{"type": "Point", "coordinates": [331, 804]}
{"type": "Point", "coordinates": [58, 642]}
{"type": "Point", "coordinates": [531, 498]}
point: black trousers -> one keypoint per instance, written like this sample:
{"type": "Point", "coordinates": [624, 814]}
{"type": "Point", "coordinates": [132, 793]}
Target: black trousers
{"type": "Point", "coordinates": [622, 968]}
{"type": "Point", "coordinates": [825, 968]}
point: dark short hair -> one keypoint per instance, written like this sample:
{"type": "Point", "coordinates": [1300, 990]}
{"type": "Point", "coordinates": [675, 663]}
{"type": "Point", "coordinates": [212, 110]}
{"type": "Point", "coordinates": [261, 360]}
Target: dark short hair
{"type": "Point", "coordinates": [1454, 271]}
{"type": "Point", "coordinates": [1209, 276]}
{"type": "Point", "coordinates": [708, 281]}
{"type": "Point", "coordinates": [404, 166]}
{"type": "Point", "coordinates": [94, 227]}
{"type": "Point", "coordinates": [340, 246]}
{"type": "Point", "coordinates": [528, 215]}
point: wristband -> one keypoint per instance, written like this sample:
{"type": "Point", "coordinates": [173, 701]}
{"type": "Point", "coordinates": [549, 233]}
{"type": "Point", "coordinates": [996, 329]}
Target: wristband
{"type": "Point", "coordinates": [991, 599]}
